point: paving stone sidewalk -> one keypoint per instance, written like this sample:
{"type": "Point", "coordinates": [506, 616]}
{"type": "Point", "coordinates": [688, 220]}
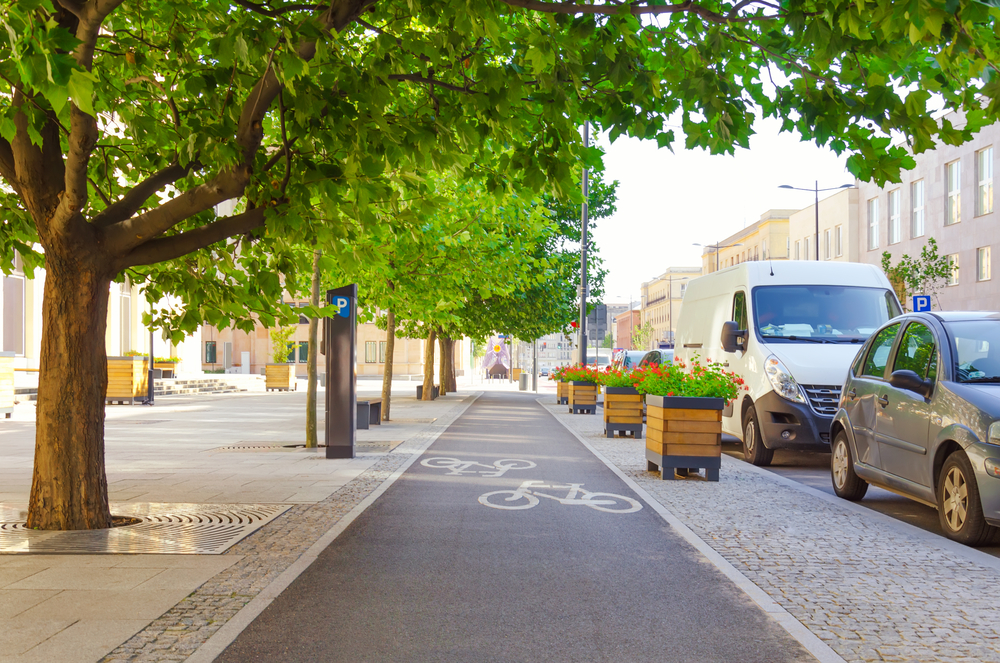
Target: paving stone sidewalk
{"type": "Point", "coordinates": [870, 588]}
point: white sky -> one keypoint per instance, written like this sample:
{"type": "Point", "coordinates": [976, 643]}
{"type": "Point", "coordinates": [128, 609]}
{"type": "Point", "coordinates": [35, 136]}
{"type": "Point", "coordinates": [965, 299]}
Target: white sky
{"type": "Point", "coordinates": [667, 201]}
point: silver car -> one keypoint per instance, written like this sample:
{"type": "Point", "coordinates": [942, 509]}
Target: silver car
{"type": "Point", "coordinates": [920, 415]}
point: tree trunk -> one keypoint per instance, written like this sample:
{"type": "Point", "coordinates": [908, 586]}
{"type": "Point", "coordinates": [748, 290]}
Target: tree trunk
{"type": "Point", "coordinates": [429, 366]}
{"type": "Point", "coordinates": [69, 488]}
{"type": "Point", "coordinates": [452, 382]}
{"type": "Point", "coordinates": [390, 346]}
{"type": "Point", "coordinates": [443, 365]}
{"type": "Point", "coordinates": [312, 440]}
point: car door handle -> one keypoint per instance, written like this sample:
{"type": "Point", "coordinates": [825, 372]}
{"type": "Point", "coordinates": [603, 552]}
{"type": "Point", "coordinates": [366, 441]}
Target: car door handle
{"type": "Point", "coordinates": [852, 394]}
{"type": "Point", "coordinates": [883, 400]}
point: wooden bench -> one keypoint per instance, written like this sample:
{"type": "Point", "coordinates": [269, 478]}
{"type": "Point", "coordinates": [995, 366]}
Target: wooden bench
{"type": "Point", "coordinates": [369, 413]}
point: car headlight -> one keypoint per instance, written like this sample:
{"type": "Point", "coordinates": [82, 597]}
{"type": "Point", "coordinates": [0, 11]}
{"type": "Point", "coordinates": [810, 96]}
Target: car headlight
{"type": "Point", "coordinates": [994, 436]}
{"type": "Point", "coordinates": [782, 381]}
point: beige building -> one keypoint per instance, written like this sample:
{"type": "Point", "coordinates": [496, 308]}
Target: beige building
{"type": "Point", "coordinates": [661, 303]}
{"type": "Point", "coordinates": [947, 196]}
{"type": "Point", "coordinates": [838, 229]}
{"type": "Point", "coordinates": [765, 239]}
{"type": "Point", "coordinates": [230, 348]}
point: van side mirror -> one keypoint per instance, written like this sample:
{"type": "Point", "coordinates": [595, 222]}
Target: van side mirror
{"type": "Point", "coordinates": [733, 338]}
{"type": "Point", "coordinates": [911, 382]}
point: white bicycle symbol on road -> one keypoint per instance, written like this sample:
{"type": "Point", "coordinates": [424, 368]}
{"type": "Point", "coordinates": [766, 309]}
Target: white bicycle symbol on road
{"type": "Point", "coordinates": [526, 497]}
{"type": "Point", "coordinates": [456, 466]}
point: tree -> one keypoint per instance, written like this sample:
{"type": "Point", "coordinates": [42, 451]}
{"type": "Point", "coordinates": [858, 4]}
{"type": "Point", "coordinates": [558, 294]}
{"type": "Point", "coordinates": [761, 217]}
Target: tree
{"type": "Point", "coordinates": [642, 335]}
{"type": "Point", "coordinates": [123, 125]}
{"type": "Point", "coordinates": [924, 275]}
{"type": "Point", "coordinates": [609, 341]}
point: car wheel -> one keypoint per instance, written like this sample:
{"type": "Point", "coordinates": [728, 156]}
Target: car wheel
{"type": "Point", "coordinates": [960, 509]}
{"type": "Point", "coordinates": [754, 450]}
{"type": "Point", "coordinates": [846, 483]}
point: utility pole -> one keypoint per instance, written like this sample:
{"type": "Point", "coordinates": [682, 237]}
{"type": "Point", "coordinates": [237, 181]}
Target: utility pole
{"type": "Point", "coordinates": [584, 217]}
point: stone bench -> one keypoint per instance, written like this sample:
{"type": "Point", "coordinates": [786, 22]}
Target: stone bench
{"type": "Point", "coordinates": [369, 413]}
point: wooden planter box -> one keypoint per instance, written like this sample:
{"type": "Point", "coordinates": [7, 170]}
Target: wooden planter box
{"type": "Point", "coordinates": [7, 383]}
{"type": "Point", "coordinates": [684, 433]}
{"type": "Point", "coordinates": [582, 397]}
{"type": "Point", "coordinates": [562, 393]}
{"type": "Point", "coordinates": [128, 379]}
{"type": "Point", "coordinates": [280, 377]}
{"type": "Point", "coordinates": [622, 411]}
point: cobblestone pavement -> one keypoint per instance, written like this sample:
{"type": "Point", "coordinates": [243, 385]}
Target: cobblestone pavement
{"type": "Point", "coordinates": [266, 554]}
{"type": "Point", "coordinates": [870, 588]}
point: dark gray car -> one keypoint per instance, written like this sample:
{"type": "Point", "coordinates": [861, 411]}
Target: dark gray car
{"type": "Point", "coordinates": [920, 415]}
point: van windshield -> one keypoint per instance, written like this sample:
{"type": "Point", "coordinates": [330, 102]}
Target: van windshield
{"type": "Point", "coordinates": [821, 313]}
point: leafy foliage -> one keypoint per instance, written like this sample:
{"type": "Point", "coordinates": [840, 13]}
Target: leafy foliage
{"type": "Point", "coordinates": [642, 335]}
{"type": "Point", "coordinates": [709, 380]}
{"type": "Point", "coordinates": [281, 344]}
{"type": "Point", "coordinates": [924, 275]}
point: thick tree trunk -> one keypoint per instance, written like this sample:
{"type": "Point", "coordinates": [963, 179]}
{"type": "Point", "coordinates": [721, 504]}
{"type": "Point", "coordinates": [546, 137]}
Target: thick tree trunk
{"type": "Point", "coordinates": [443, 364]}
{"type": "Point", "coordinates": [429, 366]}
{"type": "Point", "coordinates": [390, 347]}
{"type": "Point", "coordinates": [312, 439]}
{"type": "Point", "coordinates": [69, 488]}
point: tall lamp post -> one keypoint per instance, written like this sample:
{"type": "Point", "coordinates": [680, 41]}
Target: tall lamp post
{"type": "Point", "coordinates": [717, 247]}
{"type": "Point", "coordinates": [584, 217]}
{"type": "Point", "coordinates": [816, 190]}
{"type": "Point", "coordinates": [670, 304]}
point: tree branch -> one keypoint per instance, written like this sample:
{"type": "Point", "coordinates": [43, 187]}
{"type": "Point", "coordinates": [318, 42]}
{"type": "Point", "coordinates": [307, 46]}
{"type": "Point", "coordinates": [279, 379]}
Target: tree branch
{"type": "Point", "coordinates": [175, 246]}
{"type": "Point", "coordinates": [7, 169]}
{"type": "Point", "coordinates": [73, 7]}
{"type": "Point", "coordinates": [265, 10]}
{"type": "Point", "coordinates": [417, 78]}
{"type": "Point", "coordinates": [133, 200]}
{"type": "Point", "coordinates": [158, 85]}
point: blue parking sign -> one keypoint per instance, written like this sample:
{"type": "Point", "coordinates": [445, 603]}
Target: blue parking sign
{"type": "Point", "coordinates": [921, 303]}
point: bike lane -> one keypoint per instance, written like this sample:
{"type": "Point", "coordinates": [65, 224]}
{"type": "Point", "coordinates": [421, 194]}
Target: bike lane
{"type": "Point", "coordinates": [433, 571]}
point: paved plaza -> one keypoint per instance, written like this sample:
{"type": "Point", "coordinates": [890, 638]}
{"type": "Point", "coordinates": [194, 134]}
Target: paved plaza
{"type": "Point", "coordinates": [814, 577]}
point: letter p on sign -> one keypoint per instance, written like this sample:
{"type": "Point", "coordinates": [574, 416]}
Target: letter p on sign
{"type": "Point", "coordinates": [343, 305]}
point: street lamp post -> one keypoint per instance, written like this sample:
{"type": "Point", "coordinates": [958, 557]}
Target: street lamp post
{"type": "Point", "coordinates": [816, 190]}
{"type": "Point", "coordinates": [717, 247]}
{"type": "Point", "coordinates": [584, 217]}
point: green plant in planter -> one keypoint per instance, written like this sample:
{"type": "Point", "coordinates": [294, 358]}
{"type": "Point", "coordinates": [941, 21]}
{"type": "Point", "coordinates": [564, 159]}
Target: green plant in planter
{"type": "Point", "coordinates": [581, 374]}
{"type": "Point", "coordinates": [281, 337]}
{"type": "Point", "coordinates": [709, 380]}
{"type": "Point", "coordinates": [616, 377]}
{"type": "Point", "coordinates": [165, 360]}
{"type": "Point", "coordinates": [557, 374]}
{"type": "Point", "coordinates": [134, 353]}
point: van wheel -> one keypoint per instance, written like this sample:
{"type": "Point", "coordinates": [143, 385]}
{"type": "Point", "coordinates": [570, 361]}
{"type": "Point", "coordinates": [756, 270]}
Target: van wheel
{"type": "Point", "coordinates": [754, 450]}
{"type": "Point", "coordinates": [846, 483]}
{"type": "Point", "coordinates": [960, 510]}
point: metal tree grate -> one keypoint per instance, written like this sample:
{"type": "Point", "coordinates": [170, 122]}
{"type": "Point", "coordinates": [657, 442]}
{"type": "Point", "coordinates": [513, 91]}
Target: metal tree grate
{"type": "Point", "coordinates": [170, 529]}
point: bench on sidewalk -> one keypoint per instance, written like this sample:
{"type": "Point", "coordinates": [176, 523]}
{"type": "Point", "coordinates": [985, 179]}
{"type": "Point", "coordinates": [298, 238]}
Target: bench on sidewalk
{"type": "Point", "coordinates": [369, 413]}
{"type": "Point", "coordinates": [434, 394]}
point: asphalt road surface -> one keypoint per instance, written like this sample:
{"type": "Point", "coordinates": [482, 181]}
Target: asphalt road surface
{"type": "Point", "coordinates": [432, 572]}
{"type": "Point", "coordinates": [812, 468]}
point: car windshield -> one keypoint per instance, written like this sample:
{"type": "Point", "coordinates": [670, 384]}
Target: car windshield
{"type": "Point", "coordinates": [976, 347]}
{"type": "Point", "coordinates": [821, 313]}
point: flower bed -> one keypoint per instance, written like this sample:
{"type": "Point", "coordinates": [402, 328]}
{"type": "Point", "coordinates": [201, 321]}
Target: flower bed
{"type": "Point", "coordinates": [684, 415]}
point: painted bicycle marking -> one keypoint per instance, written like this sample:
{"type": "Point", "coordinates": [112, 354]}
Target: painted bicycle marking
{"type": "Point", "coordinates": [457, 467]}
{"type": "Point", "coordinates": [527, 494]}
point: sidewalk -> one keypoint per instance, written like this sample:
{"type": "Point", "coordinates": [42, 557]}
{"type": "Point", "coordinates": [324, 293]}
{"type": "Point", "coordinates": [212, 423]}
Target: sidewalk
{"type": "Point", "coordinates": [870, 587]}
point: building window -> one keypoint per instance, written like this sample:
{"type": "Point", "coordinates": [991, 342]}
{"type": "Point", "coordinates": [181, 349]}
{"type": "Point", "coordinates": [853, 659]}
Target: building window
{"type": "Point", "coordinates": [303, 352]}
{"type": "Point", "coordinates": [788, 247]}
{"type": "Point", "coordinates": [953, 277]}
{"type": "Point", "coordinates": [683, 289]}
{"type": "Point", "coordinates": [838, 234]}
{"type": "Point", "coordinates": [983, 263]}
{"type": "Point", "coordinates": [381, 352]}
{"type": "Point", "coordinates": [826, 244]}
{"type": "Point", "coordinates": [953, 203]}
{"type": "Point", "coordinates": [807, 252]}
{"type": "Point", "coordinates": [894, 224]}
{"type": "Point", "coordinates": [797, 243]}
{"type": "Point", "coordinates": [755, 253]}
{"type": "Point", "coordinates": [210, 352]}
{"type": "Point", "coordinates": [291, 353]}
{"type": "Point", "coordinates": [763, 250]}
{"type": "Point", "coordinates": [984, 164]}
{"type": "Point", "coordinates": [126, 319]}
{"type": "Point", "coordinates": [917, 210]}
{"type": "Point", "coordinates": [873, 224]}
{"type": "Point", "coordinates": [370, 350]}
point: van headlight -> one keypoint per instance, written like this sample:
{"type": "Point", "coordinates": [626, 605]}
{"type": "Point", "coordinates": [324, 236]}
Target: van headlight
{"type": "Point", "coordinates": [782, 380]}
{"type": "Point", "coordinates": [994, 437]}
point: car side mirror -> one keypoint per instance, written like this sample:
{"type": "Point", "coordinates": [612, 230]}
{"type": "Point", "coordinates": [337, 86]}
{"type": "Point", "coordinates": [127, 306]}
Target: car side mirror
{"type": "Point", "coordinates": [733, 338]}
{"type": "Point", "coordinates": [912, 382]}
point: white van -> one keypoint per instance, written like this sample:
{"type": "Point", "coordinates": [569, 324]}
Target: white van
{"type": "Point", "coordinates": [790, 328]}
